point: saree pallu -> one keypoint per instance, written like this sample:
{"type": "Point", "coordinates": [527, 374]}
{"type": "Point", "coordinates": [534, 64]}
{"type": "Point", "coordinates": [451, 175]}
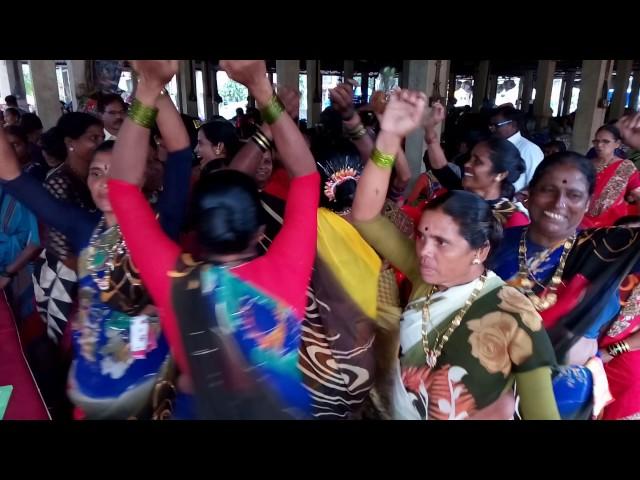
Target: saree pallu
{"type": "Point", "coordinates": [608, 202]}
{"type": "Point", "coordinates": [623, 371]}
{"type": "Point", "coordinates": [338, 330]}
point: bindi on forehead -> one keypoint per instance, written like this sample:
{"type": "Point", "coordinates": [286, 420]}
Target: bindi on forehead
{"type": "Point", "coordinates": [564, 181]}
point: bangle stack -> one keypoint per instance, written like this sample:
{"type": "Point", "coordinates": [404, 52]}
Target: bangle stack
{"type": "Point", "coordinates": [356, 133]}
{"type": "Point", "coordinates": [618, 348]}
{"type": "Point", "coordinates": [272, 110]}
{"type": "Point", "coordinates": [383, 160]}
{"type": "Point", "coordinates": [261, 140]}
{"type": "Point", "coordinates": [142, 115]}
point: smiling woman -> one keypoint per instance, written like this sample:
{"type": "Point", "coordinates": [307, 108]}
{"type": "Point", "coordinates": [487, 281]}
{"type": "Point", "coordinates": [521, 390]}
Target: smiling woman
{"type": "Point", "coordinates": [572, 276]}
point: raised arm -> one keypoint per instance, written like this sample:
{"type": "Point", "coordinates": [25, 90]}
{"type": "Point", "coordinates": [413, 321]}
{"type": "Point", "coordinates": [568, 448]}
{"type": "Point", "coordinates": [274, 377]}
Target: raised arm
{"type": "Point", "coordinates": [73, 221]}
{"type": "Point", "coordinates": [629, 126]}
{"type": "Point", "coordinates": [295, 155]}
{"type": "Point", "coordinates": [403, 114]}
{"type": "Point", "coordinates": [342, 101]}
{"type": "Point", "coordinates": [437, 158]}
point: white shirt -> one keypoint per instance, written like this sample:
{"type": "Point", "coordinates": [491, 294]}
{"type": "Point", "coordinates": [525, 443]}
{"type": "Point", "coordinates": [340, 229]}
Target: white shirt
{"type": "Point", "coordinates": [532, 156]}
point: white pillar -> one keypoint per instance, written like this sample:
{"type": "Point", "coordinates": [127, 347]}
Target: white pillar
{"type": "Point", "coordinates": [420, 75]}
{"type": "Point", "coordinates": [544, 83]}
{"type": "Point", "coordinates": [480, 80]}
{"type": "Point", "coordinates": [635, 91]}
{"type": "Point", "coordinates": [589, 115]}
{"type": "Point", "coordinates": [214, 90]}
{"type": "Point", "coordinates": [187, 89]}
{"type": "Point", "coordinates": [11, 80]}
{"type": "Point", "coordinates": [314, 92]}
{"type": "Point", "coordinates": [348, 69]}
{"type": "Point", "coordinates": [77, 81]}
{"type": "Point", "coordinates": [619, 100]}
{"type": "Point", "coordinates": [45, 91]}
{"type": "Point", "coordinates": [288, 72]}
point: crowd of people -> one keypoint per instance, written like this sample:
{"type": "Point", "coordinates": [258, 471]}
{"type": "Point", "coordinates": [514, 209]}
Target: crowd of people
{"type": "Point", "coordinates": [261, 269]}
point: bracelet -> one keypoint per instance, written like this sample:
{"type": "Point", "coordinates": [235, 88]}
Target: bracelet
{"type": "Point", "coordinates": [261, 140]}
{"type": "Point", "coordinates": [618, 348]}
{"type": "Point", "coordinates": [142, 115]}
{"type": "Point", "coordinates": [272, 110]}
{"type": "Point", "coordinates": [383, 160]}
{"type": "Point", "coordinates": [357, 132]}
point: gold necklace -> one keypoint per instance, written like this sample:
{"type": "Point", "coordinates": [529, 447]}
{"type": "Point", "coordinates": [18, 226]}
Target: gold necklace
{"type": "Point", "coordinates": [550, 297]}
{"type": "Point", "coordinates": [432, 354]}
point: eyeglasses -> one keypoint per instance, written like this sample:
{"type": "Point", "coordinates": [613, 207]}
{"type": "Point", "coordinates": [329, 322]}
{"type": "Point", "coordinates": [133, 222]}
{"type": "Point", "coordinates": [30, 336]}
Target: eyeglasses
{"type": "Point", "coordinates": [494, 126]}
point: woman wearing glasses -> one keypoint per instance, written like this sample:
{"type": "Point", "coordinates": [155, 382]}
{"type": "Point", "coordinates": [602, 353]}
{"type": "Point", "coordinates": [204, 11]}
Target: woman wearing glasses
{"type": "Point", "coordinates": [617, 182]}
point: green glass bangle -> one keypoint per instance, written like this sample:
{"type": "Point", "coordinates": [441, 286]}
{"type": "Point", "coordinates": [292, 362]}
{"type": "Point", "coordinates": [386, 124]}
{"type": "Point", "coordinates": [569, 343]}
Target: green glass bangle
{"type": "Point", "coordinates": [272, 110]}
{"type": "Point", "coordinates": [142, 115]}
{"type": "Point", "coordinates": [383, 160]}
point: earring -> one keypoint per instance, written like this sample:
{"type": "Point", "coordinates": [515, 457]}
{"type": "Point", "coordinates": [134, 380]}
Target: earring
{"type": "Point", "coordinates": [218, 151]}
{"type": "Point", "coordinates": [71, 149]}
{"type": "Point", "coordinates": [476, 261]}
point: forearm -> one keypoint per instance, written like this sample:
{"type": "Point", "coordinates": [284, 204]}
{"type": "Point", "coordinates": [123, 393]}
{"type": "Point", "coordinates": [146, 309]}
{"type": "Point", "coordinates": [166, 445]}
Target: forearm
{"type": "Point", "coordinates": [374, 182]}
{"type": "Point", "coordinates": [365, 143]}
{"type": "Point", "coordinates": [9, 166]}
{"type": "Point", "coordinates": [131, 149]}
{"type": "Point", "coordinates": [248, 159]}
{"type": "Point", "coordinates": [288, 139]}
{"type": "Point", "coordinates": [170, 124]}
{"type": "Point", "coordinates": [537, 401]}
{"type": "Point", "coordinates": [29, 253]}
{"type": "Point", "coordinates": [403, 172]}
{"type": "Point", "coordinates": [436, 156]}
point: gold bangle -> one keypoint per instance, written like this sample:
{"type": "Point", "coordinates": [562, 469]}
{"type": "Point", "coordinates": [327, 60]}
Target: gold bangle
{"type": "Point", "coordinates": [272, 110]}
{"type": "Point", "coordinates": [383, 160]}
{"type": "Point", "coordinates": [260, 143]}
{"type": "Point", "coordinates": [142, 114]}
{"type": "Point", "coordinates": [624, 346]}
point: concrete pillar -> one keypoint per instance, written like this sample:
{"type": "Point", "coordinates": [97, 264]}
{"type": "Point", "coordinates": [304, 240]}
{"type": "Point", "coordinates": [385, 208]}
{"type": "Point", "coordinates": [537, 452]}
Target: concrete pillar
{"type": "Point", "coordinates": [187, 89]}
{"type": "Point", "coordinates": [567, 92]}
{"type": "Point", "coordinates": [364, 87]}
{"type": "Point", "coordinates": [544, 83]}
{"type": "Point", "coordinates": [635, 91]}
{"type": "Point", "coordinates": [314, 92]}
{"type": "Point", "coordinates": [527, 90]}
{"type": "Point", "coordinates": [421, 77]}
{"type": "Point", "coordinates": [78, 81]}
{"type": "Point", "coordinates": [214, 90]}
{"type": "Point", "coordinates": [451, 87]}
{"type": "Point", "coordinates": [621, 84]}
{"type": "Point", "coordinates": [493, 89]}
{"type": "Point", "coordinates": [589, 115]}
{"type": "Point", "coordinates": [45, 91]}
{"type": "Point", "coordinates": [348, 69]}
{"type": "Point", "coordinates": [11, 80]}
{"type": "Point", "coordinates": [207, 73]}
{"type": "Point", "coordinates": [480, 80]}
{"type": "Point", "coordinates": [288, 72]}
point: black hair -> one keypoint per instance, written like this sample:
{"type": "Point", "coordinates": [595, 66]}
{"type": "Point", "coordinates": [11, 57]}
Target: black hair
{"type": "Point", "coordinates": [17, 131]}
{"type": "Point", "coordinates": [509, 113]}
{"type": "Point", "coordinates": [474, 216]}
{"type": "Point", "coordinates": [14, 111]}
{"type": "Point", "coordinates": [626, 220]}
{"type": "Point", "coordinates": [107, 99]}
{"type": "Point", "coordinates": [11, 100]}
{"type": "Point", "coordinates": [30, 122]}
{"type": "Point", "coordinates": [75, 124]}
{"type": "Point", "coordinates": [53, 144]}
{"type": "Point", "coordinates": [226, 211]}
{"type": "Point", "coordinates": [505, 157]}
{"type": "Point", "coordinates": [612, 129]}
{"type": "Point", "coordinates": [559, 144]}
{"type": "Point", "coordinates": [580, 162]}
{"type": "Point", "coordinates": [218, 131]}
{"type": "Point", "coordinates": [106, 146]}
{"type": "Point", "coordinates": [330, 159]}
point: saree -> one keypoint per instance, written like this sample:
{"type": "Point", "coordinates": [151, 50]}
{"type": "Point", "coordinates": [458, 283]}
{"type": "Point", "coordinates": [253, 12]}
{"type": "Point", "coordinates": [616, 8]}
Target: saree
{"type": "Point", "coordinates": [623, 370]}
{"type": "Point", "coordinates": [336, 353]}
{"type": "Point", "coordinates": [587, 301]}
{"type": "Point", "coordinates": [608, 202]}
{"type": "Point", "coordinates": [499, 336]}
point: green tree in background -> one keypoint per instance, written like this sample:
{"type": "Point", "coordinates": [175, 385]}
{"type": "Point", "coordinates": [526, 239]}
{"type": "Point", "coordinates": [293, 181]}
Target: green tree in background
{"type": "Point", "coordinates": [233, 92]}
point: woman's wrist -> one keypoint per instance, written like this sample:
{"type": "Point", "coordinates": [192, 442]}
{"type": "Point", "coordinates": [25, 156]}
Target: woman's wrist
{"type": "Point", "coordinates": [388, 143]}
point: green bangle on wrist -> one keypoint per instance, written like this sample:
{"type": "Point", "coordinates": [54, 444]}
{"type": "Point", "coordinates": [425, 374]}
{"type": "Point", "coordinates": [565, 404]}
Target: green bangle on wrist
{"type": "Point", "coordinates": [142, 115]}
{"type": "Point", "coordinates": [272, 110]}
{"type": "Point", "coordinates": [383, 160]}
